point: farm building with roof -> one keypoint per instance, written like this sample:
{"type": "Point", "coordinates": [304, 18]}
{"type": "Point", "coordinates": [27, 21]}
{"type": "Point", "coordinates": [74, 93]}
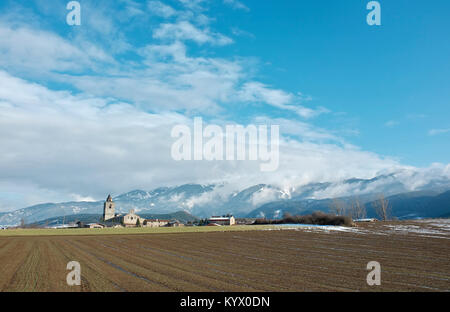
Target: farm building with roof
{"type": "Point", "coordinates": [215, 220]}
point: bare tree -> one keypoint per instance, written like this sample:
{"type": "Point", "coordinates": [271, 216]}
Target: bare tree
{"type": "Point", "coordinates": [337, 207]}
{"type": "Point", "coordinates": [357, 209]}
{"type": "Point", "coordinates": [22, 223]}
{"type": "Point", "coordinates": [382, 208]}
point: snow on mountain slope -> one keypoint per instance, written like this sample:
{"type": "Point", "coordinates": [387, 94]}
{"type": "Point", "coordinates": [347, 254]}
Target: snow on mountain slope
{"type": "Point", "coordinates": [218, 199]}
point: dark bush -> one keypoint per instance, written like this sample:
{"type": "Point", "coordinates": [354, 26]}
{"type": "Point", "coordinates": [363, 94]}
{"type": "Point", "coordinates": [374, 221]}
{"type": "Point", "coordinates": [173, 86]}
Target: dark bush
{"type": "Point", "coordinates": [317, 218]}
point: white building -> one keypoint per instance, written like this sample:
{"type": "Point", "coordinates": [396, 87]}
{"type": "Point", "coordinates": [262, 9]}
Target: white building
{"type": "Point", "coordinates": [222, 220]}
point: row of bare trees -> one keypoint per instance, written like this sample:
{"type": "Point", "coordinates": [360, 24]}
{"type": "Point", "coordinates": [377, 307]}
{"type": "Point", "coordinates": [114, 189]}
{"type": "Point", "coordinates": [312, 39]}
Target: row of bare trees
{"type": "Point", "coordinates": [382, 208]}
{"type": "Point", "coordinates": [357, 210]}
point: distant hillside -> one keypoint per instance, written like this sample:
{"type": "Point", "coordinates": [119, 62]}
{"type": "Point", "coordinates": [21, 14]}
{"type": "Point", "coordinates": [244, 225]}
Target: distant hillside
{"type": "Point", "coordinates": [163, 200]}
{"type": "Point", "coordinates": [409, 205]}
{"type": "Point", "coordinates": [181, 216]}
{"type": "Point", "coordinates": [275, 210]}
{"type": "Point", "coordinates": [255, 201]}
{"type": "Point", "coordinates": [415, 205]}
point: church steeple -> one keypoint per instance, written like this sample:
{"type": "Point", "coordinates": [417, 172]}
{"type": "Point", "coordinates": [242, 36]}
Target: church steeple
{"type": "Point", "coordinates": [108, 209]}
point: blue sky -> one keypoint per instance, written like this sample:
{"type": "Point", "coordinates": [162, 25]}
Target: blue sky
{"type": "Point", "coordinates": [391, 81]}
{"type": "Point", "coordinates": [351, 99]}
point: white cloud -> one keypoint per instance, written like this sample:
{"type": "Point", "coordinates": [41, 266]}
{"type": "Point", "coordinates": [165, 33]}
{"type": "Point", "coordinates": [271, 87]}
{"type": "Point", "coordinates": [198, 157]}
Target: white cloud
{"type": "Point", "coordinates": [193, 4]}
{"type": "Point", "coordinates": [301, 130]}
{"type": "Point", "coordinates": [26, 49]}
{"type": "Point", "coordinates": [236, 4]}
{"type": "Point", "coordinates": [438, 131]}
{"type": "Point", "coordinates": [77, 144]}
{"type": "Point", "coordinates": [391, 123]}
{"type": "Point", "coordinates": [264, 195]}
{"type": "Point", "coordinates": [184, 30]}
{"type": "Point", "coordinates": [258, 92]}
{"type": "Point", "coordinates": [81, 198]}
{"type": "Point", "coordinates": [242, 33]}
{"type": "Point", "coordinates": [161, 9]}
{"type": "Point", "coordinates": [167, 80]}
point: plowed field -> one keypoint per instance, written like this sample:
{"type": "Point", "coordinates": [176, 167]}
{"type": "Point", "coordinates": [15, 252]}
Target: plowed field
{"type": "Point", "coordinates": [304, 259]}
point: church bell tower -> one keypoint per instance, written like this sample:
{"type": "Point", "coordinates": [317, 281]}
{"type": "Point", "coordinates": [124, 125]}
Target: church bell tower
{"type": "Point", "coordinates": [109, 209]}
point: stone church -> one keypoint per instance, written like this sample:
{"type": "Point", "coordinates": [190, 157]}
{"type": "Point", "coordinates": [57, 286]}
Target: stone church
{"type": "Point", "coordinates": [110, 215]}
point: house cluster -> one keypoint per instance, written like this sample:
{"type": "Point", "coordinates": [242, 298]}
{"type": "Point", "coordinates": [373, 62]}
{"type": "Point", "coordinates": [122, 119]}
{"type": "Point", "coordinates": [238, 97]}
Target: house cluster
{"type": "Point", "coordinates": [130, 219]}
{"type": "Point", "coordinates": [112, 219]}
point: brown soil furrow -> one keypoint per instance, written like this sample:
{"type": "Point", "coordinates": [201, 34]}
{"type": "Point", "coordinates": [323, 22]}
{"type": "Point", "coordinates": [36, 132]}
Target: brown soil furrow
{"type": "Point", "coordinates": [276, 260]}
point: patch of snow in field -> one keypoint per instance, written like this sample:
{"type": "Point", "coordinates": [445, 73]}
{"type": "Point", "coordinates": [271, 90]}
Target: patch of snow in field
{"type": "Point", "coordinates": [405, 229]}
{"type": "Point", "coordinates": [439, 221]}
{"type": "Point", "coordinates": [311, 227]}
{"type": "Point", "coordinates": [424, 228]}
{"type": "Point", "coordinates": [442, 224]}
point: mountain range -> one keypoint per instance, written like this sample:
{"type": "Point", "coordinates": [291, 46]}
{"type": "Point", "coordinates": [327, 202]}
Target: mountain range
{"type": "Point", "coordinates": [410, 195]}
{"type": "Point", "coordinates": [411, 205]}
